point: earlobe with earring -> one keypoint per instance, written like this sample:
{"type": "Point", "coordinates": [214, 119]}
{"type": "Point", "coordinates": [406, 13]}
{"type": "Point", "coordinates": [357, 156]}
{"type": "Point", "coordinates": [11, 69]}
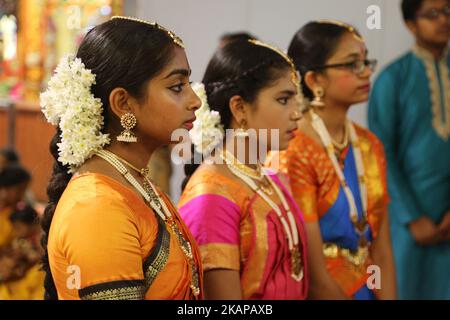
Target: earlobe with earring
{"type": "Point", "coordinates": [318, 97]}
{"type": "Point", "coordinates": [128, 122]}
{"type": "Point", "coordinates": [242, 131]}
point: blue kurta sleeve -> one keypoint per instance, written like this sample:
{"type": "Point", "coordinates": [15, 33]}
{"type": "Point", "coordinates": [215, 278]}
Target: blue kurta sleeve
{"type": "Point", "coordinates": [384, 112]}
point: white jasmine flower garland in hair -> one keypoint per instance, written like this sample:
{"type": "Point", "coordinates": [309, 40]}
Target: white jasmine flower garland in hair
{"type": "Point", "coordinates": [69, 103]}
{"type": "Point", "coordinates": [207, 132]}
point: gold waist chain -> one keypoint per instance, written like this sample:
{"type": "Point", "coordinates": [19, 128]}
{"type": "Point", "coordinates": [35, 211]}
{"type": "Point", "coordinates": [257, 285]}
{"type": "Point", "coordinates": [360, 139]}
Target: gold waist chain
{"type": "Point", "coordinates": [357, 258]}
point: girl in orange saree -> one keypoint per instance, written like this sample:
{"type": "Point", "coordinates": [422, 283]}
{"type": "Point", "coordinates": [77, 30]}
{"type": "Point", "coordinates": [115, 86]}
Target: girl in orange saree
{"type": "Point", "coordinates": [248, 227]}
{"type": "Point", "coordinates": [110, 233]}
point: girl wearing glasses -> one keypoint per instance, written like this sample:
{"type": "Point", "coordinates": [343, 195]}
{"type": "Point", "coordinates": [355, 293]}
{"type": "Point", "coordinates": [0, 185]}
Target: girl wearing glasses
{"type": "Point", "coordinates": [337, 169]}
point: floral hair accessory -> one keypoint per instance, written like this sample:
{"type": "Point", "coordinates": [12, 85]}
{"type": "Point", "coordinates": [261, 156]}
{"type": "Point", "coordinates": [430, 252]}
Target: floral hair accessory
{"type": "Point", "coordinates": [207, 132]}
{"type": "Point", "coordinates": [69, 103]}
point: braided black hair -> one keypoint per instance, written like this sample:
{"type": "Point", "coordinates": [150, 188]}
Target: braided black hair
{"type": "Point", "coordinates": [58, 183]}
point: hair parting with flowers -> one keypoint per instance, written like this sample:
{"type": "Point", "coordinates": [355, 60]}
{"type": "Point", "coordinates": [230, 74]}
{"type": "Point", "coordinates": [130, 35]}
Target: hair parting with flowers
{"type": "Point", "coordinates": [114, 54]}
{"type": "Point", "coordinates": [241, 68]}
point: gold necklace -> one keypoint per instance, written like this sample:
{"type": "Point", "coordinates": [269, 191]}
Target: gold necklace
{"type": "Point", "coordinates": [344, 144]}
{"type": "Point", "coordinates": [248, 171]}
{"type": "Point", "coordinates": [149, 193]}
{"type": "Point", "coordinates": [360, 225]}
{"type": "Point", "coordinates": [289, 224]}
{"type": "Point", "coordinates": [144, 172]}
{"type": "Point", "coordinates": [184, 244]}
{"type": "Point", "coordinates": [256, 174]}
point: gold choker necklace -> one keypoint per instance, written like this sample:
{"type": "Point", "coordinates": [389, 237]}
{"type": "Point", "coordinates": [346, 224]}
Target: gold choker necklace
{"type": "Point", "coordinates": [144, 172]}
{"type": "Point", "coordinates": [256, 174]}
{"type": "Point", "coordinates": [344, 144]}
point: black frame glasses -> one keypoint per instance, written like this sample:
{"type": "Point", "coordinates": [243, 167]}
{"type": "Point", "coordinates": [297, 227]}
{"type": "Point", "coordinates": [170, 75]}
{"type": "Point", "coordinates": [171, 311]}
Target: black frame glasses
{"type": "Point", "coordinates": [433, 14]}
{"type": "Point", "coordinates": [357, 67]}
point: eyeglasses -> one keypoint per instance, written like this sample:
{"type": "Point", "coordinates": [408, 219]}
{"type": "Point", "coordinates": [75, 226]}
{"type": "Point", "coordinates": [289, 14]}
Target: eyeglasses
{"type": "Point", "coordinates": [357, 67]}
{"type": "Point", "coordinates": [433, 14]}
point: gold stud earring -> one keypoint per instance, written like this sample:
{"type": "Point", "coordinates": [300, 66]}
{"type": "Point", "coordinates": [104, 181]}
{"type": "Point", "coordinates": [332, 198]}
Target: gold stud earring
{"type": "Point", "coordinates": [242, 131]}
{"type": "Point", "coordinates": [318, 98]}
{"type": "Point", "coordinates": [128, 122]}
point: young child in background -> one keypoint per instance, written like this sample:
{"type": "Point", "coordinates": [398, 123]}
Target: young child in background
{"type": "Point", "coordinates": [14, 181]}
{"type": "Point", "coordinates": [20, 274]}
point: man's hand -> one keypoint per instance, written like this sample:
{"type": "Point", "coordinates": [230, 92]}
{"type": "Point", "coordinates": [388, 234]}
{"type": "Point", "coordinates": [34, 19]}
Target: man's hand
{"type": "Point", "coordinates": [424, 231]}
{"type": "Point", "coordinates": [444, 227]}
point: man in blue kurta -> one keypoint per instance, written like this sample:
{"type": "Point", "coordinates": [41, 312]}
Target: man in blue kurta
{"type": "Point", "coordinates": [409, 110]}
